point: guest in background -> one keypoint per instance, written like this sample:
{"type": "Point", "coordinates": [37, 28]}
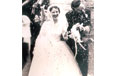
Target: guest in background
{"type": "Point", "coordinates": [27, 7]}
{"type": "Point", "coordinates": [26, 39]}
{"type": "Point", "coordinates": [35, 33]}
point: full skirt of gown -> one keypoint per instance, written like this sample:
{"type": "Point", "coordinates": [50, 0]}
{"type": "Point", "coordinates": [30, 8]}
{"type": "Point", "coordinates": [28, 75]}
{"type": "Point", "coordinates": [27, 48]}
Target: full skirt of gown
{"type": "Point", "coordinates": [52, 57]}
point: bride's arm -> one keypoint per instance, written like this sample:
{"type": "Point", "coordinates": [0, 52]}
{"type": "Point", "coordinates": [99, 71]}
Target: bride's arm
{"type": "Point", "coordinates": [45, 15]}
{"type": "Point", "coordinates": [64, 31]}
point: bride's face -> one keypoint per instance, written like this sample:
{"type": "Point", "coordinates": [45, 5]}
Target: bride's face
{"type": "Point", "coordinates": [55, 13]}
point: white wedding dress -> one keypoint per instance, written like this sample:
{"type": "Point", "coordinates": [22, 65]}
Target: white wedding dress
{"type": "Point", "coordinates": [52, 57]}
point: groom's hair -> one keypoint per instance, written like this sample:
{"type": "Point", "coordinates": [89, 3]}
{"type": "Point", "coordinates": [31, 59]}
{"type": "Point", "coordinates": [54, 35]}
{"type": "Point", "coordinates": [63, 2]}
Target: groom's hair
{"type": "Point", "coordinates": [75, 4]}
{"type": "Point", "coordinates": [55, 8]}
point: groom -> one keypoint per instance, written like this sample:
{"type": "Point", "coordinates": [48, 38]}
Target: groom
{"type": "Point", "coordinates": [78, 15]}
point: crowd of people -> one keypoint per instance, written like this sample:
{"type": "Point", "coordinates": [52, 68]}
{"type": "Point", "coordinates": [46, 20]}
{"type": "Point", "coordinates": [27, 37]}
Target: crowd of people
{"type": "Point", "coordinates": [55, 37]}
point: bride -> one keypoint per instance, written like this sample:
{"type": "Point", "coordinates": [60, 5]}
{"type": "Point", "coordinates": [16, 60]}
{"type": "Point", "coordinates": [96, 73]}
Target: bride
{"type": "Point", "coordinates": [52, 57]}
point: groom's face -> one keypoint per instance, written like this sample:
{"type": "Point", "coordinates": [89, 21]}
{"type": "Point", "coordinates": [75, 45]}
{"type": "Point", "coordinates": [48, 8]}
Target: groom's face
{"type": "Point", "coordinates": [55, 13]}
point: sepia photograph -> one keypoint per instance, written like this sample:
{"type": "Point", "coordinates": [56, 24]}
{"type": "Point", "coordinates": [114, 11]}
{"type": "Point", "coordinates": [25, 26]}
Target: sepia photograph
{"type": "Point", "coordinates": [57, 37]}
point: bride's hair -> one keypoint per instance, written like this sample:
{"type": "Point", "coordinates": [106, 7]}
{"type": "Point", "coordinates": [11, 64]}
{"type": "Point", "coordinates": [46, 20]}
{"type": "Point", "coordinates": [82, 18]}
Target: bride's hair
{"type": "Point", "coordinates": [50, 9]}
